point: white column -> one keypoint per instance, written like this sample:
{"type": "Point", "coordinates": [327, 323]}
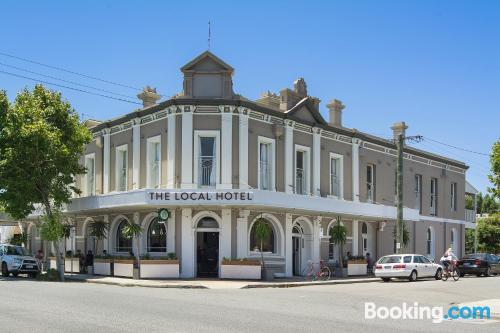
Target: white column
{"type": "Point", "coordinates": [106, 161]}
{"type": "Point", "coordinates": [226, 150]}
{"type": "Point", "coordinates": [242, 234]}
{"type": "Point", "coordinates": [187, 244]}
{"type": "Point", "coordinates": [316, 241]}
{"type": "Point", "coordinates": [243, 149]}
{"type": "Point", "coordinates": [105, 218]}
{"type": "Point", "coordinates": [355, 169]}
{"type": "Point", "coordinates": [289, 157]}
{"type": "Point", "coordinates": [316, 174]}
{"type": "Point", "coordinates": [134, 240]}
{"type": "Point", "coordinates": [187, 150]}
{"type": "Point", "coordinates": [171, 232]}
{"type": "Point", "coordinates": [355, 237]}
{"type": "Point", "coordinates": [225, 234]}
{"type": "Point", "coordinates": [288, 245]}
{"type": "Point", "coordinates": [136, 153]}
{"type": "Point", "coordinates": [171, 120]}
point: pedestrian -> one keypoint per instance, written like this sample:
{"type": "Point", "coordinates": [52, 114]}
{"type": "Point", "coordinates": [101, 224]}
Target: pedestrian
{"type": "Point", "coordinates": [89, 259]}
{"type": "Point", "coordinates": [39, 258]}
{"type": "Point", "coordinates": [369, 264]}
{"type": "Point", "coordinates": [104, 253]}
{"type": "Point", "coordinates": [81, 261]}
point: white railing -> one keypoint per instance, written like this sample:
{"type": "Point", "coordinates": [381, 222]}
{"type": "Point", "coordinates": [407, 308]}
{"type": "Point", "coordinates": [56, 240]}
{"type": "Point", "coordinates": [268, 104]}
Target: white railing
{"type": "Point", "coordinates": [207, 169]}
{"type": "Point", "coordinates": [265, 175]}
{"type": "Point", "coordinates": [299, 181]}
{"type": "Point", "coordinates": [470, 215]}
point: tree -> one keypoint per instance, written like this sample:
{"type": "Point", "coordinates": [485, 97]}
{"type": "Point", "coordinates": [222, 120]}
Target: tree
{"type": "Point", "coordinates": [98, 230]}
{"type": "Point", "coordinates": [134, 231]}
{"type": "Point", "coordinates": [406, 235]}
{"type": "Point", "coordinates": [494, 177]}
{"type": "Point", "coordinates": [19, 239]}
{"type": "Point", "coordinates": [262, 232]}
{"type": "Point", "coordinates": [41, 142]}
{"type": "Point", "coordinates": [488, 233]}
{"type": "Point", "coordinates": [490, 205]}
{"type": "Point", "coordinates": [479, 203]}
{"type": "Point", "coordinates": [339, 237]}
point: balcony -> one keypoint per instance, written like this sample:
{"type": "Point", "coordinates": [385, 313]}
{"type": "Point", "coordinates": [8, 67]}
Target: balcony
{"type": "Point", "coordinates": [206, 171]}
{"type": "Point", "coordinates": [470, 215]}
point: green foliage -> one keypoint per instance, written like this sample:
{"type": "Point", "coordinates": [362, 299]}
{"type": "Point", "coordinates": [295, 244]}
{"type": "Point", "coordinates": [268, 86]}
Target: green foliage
{"type": "Point", "coordinates": [469, 240]}
{"type": "Point", "coordinates": [469, 202]}
{"type": "Point", "coordinates": [262, 231]}
{"type": "Point", "coordinates": [66, 230]}
{"type": "Point", "coordinates": [132, 230]}
{"type": "Point", "coordinates": [41, 142]}
{"type": "Point", "coordinates": [338, 233]}
{"type": "Point", "coordinates": [488, 233]}
{"type": "Point", "coordinates": [19, 239]}
{"type": "Point", "coordinates": [406, 235]}
{"type": "Point", "coordinates": [494, 177]}
{"type": "Point", "coordinates": [489, 205]}
{"type": "Point", "coordinates": [50, 275]}
{"type": "Point", "coordinates": [171, 256]}
{"type": "Point", "coordinates": [52, 228]}
{"type": "Point", "coordinates": [98, 229]}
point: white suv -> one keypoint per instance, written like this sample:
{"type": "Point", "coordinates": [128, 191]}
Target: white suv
{"type": "Point", "coordinates": [16, 260]}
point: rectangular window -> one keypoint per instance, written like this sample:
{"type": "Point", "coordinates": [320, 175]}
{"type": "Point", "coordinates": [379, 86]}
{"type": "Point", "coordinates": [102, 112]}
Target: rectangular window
{"type": "Point", "coordinates": [453, 197]}
{"type": "Point", "coordinates": [154, 162]}
{"type": "Point", "coordinates": [370, 183]}
{"type": "Point", "coordinates": [301, 170]}
{"type": "Point", "coordinates": [433, 206]}
{"type": "Point", "coordinates": [336, 178]}
{"type": "Point", "coordinates": [89, 178]}
{"type": "Point", "coordinates": [418, 192]}
{"type": "Point", "coordinates": [207, 162]}
{"type": "Point", "coordinates": [121, 168]}
{"type": "Point", "coordinates": [266, 164]}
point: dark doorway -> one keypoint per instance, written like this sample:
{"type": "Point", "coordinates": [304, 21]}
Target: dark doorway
{"type": "Point", "coordinates": [207, 254]}
{"type": "Point", "coordinates": [296, 256]}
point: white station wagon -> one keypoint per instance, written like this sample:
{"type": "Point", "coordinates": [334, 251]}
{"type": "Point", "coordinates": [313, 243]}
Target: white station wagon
{"type": "Point", "coordinates": [407, 266]}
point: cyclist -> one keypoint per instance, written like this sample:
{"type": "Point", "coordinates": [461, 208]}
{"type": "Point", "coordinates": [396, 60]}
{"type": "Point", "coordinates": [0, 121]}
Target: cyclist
{"type": "Point", "coordinates": [447, 258]}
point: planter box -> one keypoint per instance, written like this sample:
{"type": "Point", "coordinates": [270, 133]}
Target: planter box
{"type": "Point", "coordinates": [67, 265]}
{"type": "Point", "coordinates": [356, 268]}
{"type": "Point", "coordinates": [159, 269]}
{"type": "Point", "coordinates": [102, 267]}
{"type": "Point", "coordinates": [238, 269]}
{"type": "Point", "coordinates": [124, 267]}
{"type": "Point", "coordinates": [52, 263]}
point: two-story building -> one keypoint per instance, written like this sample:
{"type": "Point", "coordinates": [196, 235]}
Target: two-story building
{"type": "Point", "coordinates": [218, 162]}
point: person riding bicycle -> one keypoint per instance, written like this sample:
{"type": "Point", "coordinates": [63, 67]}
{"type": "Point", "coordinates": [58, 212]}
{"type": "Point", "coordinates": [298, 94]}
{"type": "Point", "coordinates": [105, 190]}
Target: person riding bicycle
{"type": "Point", "coordinates": [447, 258]}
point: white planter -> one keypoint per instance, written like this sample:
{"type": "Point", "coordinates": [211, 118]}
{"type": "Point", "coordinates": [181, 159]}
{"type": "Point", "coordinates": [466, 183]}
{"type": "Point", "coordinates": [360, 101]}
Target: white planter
{"type": "Point", "coordinates": [243, 272]}
{"type": "Point", "coordinates": [356, 269]}
{"type": "Point", "coordinates": [159, 269]}
{"type": "Point", "coordinates": [53, 263]}
{"type": "Point", "coordinates": [67, 265]}
{"type": "Point", "coordinates": [123, 269]}
{"type": "Point", "coordinates": [102, 268]}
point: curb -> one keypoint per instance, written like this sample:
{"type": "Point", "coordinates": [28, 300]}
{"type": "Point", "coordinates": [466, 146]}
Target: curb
{"type": "Point", "coordinates": [129, 284]}
{"type": "Point", "coordinates": [305, 284]}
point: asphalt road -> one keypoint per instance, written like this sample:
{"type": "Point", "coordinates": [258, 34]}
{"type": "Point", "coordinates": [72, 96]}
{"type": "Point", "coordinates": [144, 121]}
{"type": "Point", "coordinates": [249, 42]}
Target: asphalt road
{"type": "Point", "coordinates": [31, 306]}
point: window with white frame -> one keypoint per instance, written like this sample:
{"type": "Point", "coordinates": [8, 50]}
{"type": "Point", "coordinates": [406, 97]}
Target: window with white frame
{"type": "Point", "coordinates": [336, 175]}
{"type": "Point", "coordinates": [266, 166]}
{"type": "Point", "coordinates": [89, 178]}
{"type": "Point", "coordinates": [153, 152]}
{"type": "Point", "coordinates": [121, 168]}
{"type": "Point", "coordinates": [433, 197]}
{"type": "Point", "coordinates": [418, 192]}
{"type": "Point", "coordinates": [207, 146]}
{"type": "Point", "coordinates": [302, 169]}
{"type": "Point", "coordinates": [453, 192]}
{"type": "Point", "coordinates": [370, 183]}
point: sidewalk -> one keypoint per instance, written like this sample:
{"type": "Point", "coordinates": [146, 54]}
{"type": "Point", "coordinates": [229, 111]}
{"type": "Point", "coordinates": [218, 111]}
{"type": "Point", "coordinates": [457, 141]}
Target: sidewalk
{"type": "Point", "coordinates": [211, 283]}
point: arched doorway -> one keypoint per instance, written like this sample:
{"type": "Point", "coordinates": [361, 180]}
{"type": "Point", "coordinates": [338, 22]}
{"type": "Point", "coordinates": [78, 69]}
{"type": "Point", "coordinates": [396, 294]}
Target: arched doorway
{"type": "Point", "coordinates": [364, 238]}
{"type": "Point", "coordinates": [207, 247]}
{"type": "Point", "coordinates": [297, 245]}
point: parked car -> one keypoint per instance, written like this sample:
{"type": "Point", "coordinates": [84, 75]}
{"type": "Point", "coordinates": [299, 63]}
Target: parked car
{"type": "Point", "coordinates": [16, 260]}
{"type": "Point", "coordinates": [479, 264]}
{"type": "Point", "coordinates": [407, 266]}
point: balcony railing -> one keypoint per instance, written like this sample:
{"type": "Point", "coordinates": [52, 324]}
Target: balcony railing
{"type": "Point", "coordinates": [300, 185]}
{"type": "Point", "coordinates": [206, 171]}
{"type": "Point", "coordinates": [470, 215]}
{"type": "Point", "coordinates": [265, 175]}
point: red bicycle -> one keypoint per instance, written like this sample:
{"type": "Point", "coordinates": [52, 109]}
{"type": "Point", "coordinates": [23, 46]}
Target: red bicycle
{"type": "Point", "coordinates": [310, 273]}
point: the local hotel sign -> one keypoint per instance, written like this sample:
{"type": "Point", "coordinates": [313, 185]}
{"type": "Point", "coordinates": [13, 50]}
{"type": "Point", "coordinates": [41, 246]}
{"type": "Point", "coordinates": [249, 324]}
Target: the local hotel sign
{"type": "Point", "coordinates": [199, 196]}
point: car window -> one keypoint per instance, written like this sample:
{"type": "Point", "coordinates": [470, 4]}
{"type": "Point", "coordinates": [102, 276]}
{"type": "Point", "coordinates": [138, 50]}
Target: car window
{"type": "Point", "coordinates": [417, 259]}
{"type": "Point", "coordinates": [425, 260]}
{"type": "Point", "coordinates": [475, 256]}
{"type": "Point", "coordinates": [407, 259]}
{"type": "Point", "coordinates": [390, 260]}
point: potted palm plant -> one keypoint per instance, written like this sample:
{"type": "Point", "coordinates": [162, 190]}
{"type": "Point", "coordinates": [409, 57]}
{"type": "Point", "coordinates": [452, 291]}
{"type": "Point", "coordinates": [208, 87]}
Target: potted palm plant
{"type": "Point", "coordinates": [339, 236]}
{"type": "Point", "coordinates": [262, 232]}
{"type": "Point", "coordinates": [134, 231]}
{"type": "Point", "coordinates": [102, 264]}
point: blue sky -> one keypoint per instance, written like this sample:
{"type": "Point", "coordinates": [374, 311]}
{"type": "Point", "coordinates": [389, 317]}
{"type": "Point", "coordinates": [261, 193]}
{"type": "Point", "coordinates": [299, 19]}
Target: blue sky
{"type": "Point", "coordinates": [433, 64]}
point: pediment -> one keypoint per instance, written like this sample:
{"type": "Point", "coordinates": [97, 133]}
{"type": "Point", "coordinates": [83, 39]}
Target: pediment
{"type": "Point", "coordinates": [207, 62]}
{"type": "Point", "coordinates": [306, 112]}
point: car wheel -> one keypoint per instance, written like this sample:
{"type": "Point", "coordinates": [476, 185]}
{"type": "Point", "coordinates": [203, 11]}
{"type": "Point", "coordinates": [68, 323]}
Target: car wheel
{"type": "Point", "coordinates": [413, 276]}
{"type": "Point", "coordinates": [15, 274]}
{"type": "Point", "coordinates": [462, 274]}
{"type": "Point", "coordinates": [439, 274]}
{"type": "Point", "coordinates": [5, 270]}
{"type": "Point", "coordinates": [479, 274]}
{"type": "Point", "coordinates": [386, 279]}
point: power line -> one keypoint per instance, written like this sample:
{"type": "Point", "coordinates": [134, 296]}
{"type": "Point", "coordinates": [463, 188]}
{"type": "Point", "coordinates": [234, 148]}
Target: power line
{"type": "Point", "coordinates": [448, 145]}
{"type": "Point", "coordinates": [63, 80]}
{"type": "Point", "coordinates": [66, 87]}
{"type": "Point", "coordinates": [69, 71]}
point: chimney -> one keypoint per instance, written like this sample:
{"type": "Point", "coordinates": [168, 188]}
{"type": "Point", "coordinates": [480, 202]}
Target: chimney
{"type": "Point", "coordinates": [335, 108]}
{"type": "Point", "coordinates": [398, 128]}
{"type": "Point", "coordinates": [148, 96]}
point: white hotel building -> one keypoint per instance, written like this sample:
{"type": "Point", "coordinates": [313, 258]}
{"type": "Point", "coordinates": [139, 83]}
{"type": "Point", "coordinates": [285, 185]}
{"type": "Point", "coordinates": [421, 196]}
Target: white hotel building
{"type": "Point", "coordinates": [218, 161]}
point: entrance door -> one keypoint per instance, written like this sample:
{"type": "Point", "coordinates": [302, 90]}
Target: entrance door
{"type": "Point", "coordinates": [207, 255]}
{"type": "Point", "coordinates": [296, 256]}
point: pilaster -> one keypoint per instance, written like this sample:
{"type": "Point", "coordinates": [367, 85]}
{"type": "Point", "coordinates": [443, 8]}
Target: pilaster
{"type": "Point", "coordinates": [316, 174]}
{"type": "Point", "coordinates": [136, 153]}
{"type": "Point", "coordinates": [226, 150]}
{"type": "Point", "coordinates": [288, 245]}
{"type": "Point", "coordinates": [243, 148]}
{"type": "Point", "coordinates": [355, 169]}
{"type": "Point", "coordinates": [171, 121]}
{"type": "Point", "coordinates": [289, 188]}
{"type": "Point", "coordinates": [187, 149]}
{"type": "Point", "coordinates": [187, 244]}
{"type": "Point", "coordinates": [242, 233]}
{"type": "Point", "coordinates": [106, 157]}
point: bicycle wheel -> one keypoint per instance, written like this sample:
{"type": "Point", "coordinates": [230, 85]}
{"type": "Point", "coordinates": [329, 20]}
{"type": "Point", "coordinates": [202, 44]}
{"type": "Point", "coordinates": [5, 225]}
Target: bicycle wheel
{"type": "Point", "coordinates": [308, 274]}
{"type": "Point", "coordinates": [324, 274]}
{"type": "Point", "coordinates": [455, 274]}
{"type": "Point", "coordinates": [445, 275]}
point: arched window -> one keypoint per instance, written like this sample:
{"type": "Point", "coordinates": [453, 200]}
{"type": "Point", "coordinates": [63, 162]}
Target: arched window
{"type": "Point", "coordinates": [207, 222]}
{"type": "Point", "coordinates": [268, 244]}
{"type": "Point", "coordinates": [157, 236]}
{"type": "Point", "coordinates": [364, 228]}
{"type": "Point", "coordinates": [123, 244]}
